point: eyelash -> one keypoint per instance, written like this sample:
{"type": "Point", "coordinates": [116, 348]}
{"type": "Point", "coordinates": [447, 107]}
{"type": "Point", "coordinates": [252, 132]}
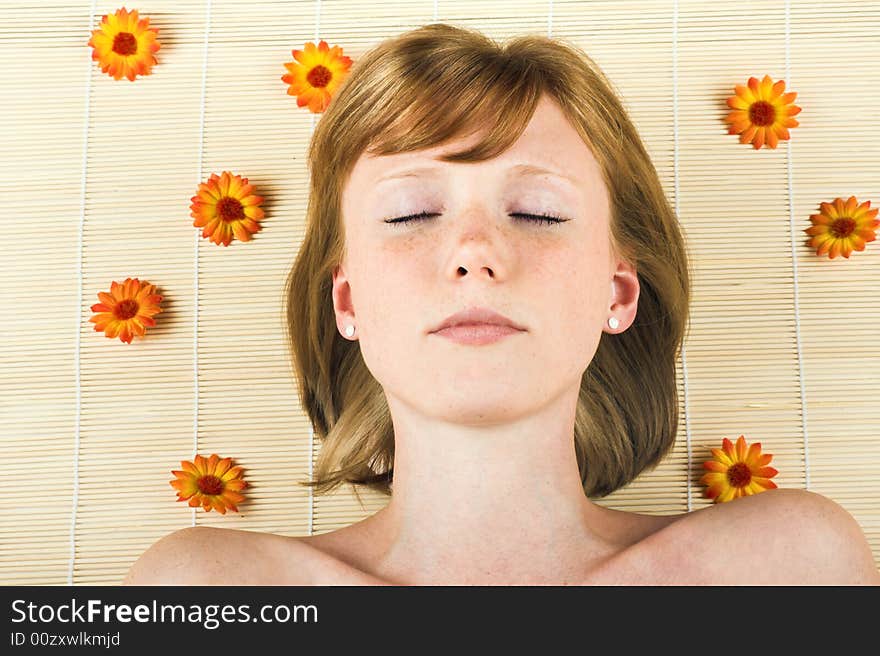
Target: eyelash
{"type": "Point", "coordinates": [546, 219]}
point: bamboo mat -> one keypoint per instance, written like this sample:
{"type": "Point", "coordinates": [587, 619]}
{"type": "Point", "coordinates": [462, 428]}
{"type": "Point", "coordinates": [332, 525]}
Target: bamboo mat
{"type": "Point", "coordinates": [96, 180]}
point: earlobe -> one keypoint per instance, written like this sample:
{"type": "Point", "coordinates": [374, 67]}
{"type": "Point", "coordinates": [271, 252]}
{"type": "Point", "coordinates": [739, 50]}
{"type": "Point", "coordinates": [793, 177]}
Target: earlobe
{"type": "Point", "coordinates": [625, 295]}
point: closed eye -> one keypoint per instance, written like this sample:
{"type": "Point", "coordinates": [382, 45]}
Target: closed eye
{"type": "Point", "coordinates": [546, 219]}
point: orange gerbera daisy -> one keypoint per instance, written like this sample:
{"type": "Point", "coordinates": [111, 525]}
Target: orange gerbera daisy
{"type": "Point", "coordinates": [762, 113]}
{"type": "Point", "coordinates": [224, 206]}
{"type": "Point", "coordinates": [124, 45]}
{"type": "Point", "coordinates": [316, 75]}
{"type": "Point", "coordinates": [210, 483]}
{"type": "Point", "coordinates": [841, 228]}
{"type": "Point", "coordinates": [126, 310]}
{"type": "Point", "coordinates": [735, 472]}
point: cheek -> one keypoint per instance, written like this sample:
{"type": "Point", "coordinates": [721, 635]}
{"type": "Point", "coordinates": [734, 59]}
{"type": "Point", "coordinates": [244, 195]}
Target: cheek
{"type": "Point", "coordinates": [564, 266]}
{"type": "Point", "coordinates": [392, 311]}
{"type": "Point", "coordinates": [388, 278]}
{"type": "Point", "coordinates": [572, 290]}
{"type": "Point", "coordinates": [398, 264]}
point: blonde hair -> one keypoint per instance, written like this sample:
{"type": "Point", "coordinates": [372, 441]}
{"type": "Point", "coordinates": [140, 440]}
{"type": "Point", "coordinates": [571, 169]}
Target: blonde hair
{"type": "Point", "coordinates": [421, 89]}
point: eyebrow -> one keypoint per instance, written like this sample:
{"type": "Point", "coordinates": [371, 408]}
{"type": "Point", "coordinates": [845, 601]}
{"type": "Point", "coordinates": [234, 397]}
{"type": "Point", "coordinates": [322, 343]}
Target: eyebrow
{"type": "Point", "coordinates": [518, 169]}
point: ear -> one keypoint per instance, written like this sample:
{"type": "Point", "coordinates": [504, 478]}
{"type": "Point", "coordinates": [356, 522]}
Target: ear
{"type": "Point", "coordinates": [342, 304]}
{"type": "Point", "coordinates": [624, 299]}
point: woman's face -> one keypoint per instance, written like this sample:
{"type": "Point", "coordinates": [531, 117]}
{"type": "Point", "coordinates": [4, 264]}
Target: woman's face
{"type": "Point", "coordinates": [556, 280]}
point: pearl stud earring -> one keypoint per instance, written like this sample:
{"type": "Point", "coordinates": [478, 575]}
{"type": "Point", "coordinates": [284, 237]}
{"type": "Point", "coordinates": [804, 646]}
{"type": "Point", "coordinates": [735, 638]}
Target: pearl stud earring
{"type": "Point", "coordinates": [614, 322]}
{"type": "Point", "coordinates": [349, 331]}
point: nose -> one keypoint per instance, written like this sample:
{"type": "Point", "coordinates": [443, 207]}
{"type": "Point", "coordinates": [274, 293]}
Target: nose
{"type": "Point", "coordinates": [479, 243]}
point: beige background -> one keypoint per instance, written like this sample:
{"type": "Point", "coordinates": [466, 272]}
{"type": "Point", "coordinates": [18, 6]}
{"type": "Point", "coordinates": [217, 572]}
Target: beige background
{"type": "Point", "coordinates": [96, 177]}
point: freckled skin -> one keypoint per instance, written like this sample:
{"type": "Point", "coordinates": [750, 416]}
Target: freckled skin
{"type": "Point", "coordinates": [400, 281]}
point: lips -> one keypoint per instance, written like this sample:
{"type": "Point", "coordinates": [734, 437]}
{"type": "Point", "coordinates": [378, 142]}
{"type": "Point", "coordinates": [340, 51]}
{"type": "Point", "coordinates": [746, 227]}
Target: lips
{"type": "Point", "coordinates": [480, 333]}
{"type": "Point", "coordinates": [478, 317]}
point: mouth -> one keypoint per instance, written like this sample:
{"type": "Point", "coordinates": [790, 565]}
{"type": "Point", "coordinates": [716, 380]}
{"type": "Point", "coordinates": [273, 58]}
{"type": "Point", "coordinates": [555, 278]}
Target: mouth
{"type": "Point", "coordinates": [478, 316]}
{"type": "Point", "coordinates": [477, 333]}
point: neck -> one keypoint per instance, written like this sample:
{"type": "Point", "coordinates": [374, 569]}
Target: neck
{"type": "Point", "coordinates": [481, 506]}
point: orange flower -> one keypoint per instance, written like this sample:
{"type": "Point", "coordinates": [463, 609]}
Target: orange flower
{"type": "Point", "coordinates": [225, 206]}
{"type": "Point", "coordinates": [124, 45]}
{"type": "Point", "coordinates": [316, 75]}
{"type": "Point", "coordinates": [210, 483]}
{"type": "Point", "coordinates": [762, 112]}
{"type": "Point", "coordinates": [126, 310]}
{"type": "Point", "coordinates": [735, 473]}
{"type": "Point", "coordinates": [841, 228]}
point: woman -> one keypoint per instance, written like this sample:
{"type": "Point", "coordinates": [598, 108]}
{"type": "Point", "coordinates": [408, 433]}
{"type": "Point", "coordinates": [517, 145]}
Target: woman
{"type": "Point", "coordinates": [504, 187]}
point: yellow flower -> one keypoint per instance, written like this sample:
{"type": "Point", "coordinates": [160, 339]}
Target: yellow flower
{"type": "Point", "coordinates": [735, 472]}
{"type": "Point", "coordinates": [841, 228]}
{"type": "Point", "coordinates": [762, 112]}
{"type": "Point", "coordinates": [224, 206]}
{"type": "Point", "coordinates": [126, 310]}
{"type": "Point", "coordinates": [124, 45]}
{"type": "Point", "coordinates": [316, 75]}
{"type": "Point", "coordinates": [210, 483]}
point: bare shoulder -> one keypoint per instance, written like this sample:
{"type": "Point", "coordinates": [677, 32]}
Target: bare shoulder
{"type": "Point", "coordinates": [783, 536]}
{"type": "Point", "coordinates": [203, 555]}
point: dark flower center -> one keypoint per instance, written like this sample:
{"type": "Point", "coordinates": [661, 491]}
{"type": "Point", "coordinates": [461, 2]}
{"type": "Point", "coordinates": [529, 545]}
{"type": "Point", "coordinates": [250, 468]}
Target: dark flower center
{"type": "Point", "coordinates": [762, 113]}
{"type": "Point", "coordinates": [739, 474]}
{"type": "Point", "coordinates": [124, 43]}
{"type": "Point", "coordinates": [843, 227]}
{"type": "Point", "coordinates": [319, 76]}
{"type": "Point", "coordinates": [126, 309]}
{"type": "Point", "coordinates": [230, 209]}
{"type": "Point", "coordinates": [210, 484]}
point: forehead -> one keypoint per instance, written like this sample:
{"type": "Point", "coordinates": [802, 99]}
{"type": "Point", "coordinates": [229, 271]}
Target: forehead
{"type": "Point", "coordinates": [548, 146]}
